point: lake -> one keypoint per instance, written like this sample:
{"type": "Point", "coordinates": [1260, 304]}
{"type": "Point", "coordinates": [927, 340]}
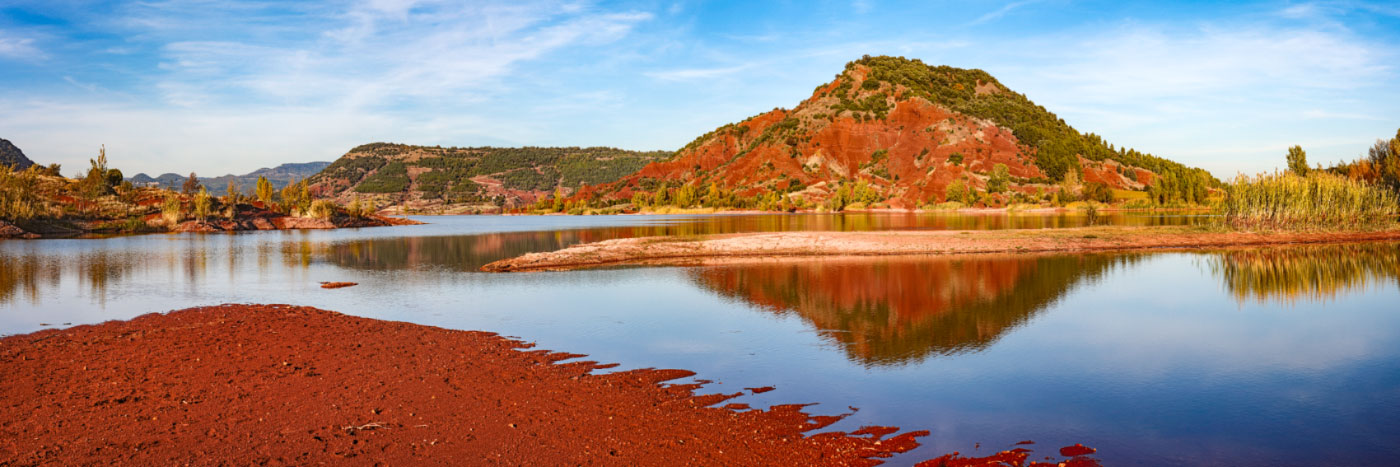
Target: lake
{"type": "Point", "coordinates": [1262, 356]}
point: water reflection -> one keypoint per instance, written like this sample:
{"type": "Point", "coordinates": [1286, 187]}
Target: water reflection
{"type": "Point", "coordinates": [901, 310]}
{"type": "Point", "coordinates": [464, 253]}
{"type": "Point", "coordinates": [1305, 273]}
{"type": "Point", "coordinates": [469, 252]}
{"type": "Point", "coordinates": [30, 276]}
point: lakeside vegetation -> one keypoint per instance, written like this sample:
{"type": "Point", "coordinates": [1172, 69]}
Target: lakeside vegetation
{"type": "Point", "coordinates": [1359, 195]}
{"type": "Point", "coordinates": [39, 200]}
{"type": "Point", "coordinates": [1318, 200]}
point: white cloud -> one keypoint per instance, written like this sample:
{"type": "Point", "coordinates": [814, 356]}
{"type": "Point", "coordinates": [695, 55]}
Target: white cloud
{"type": "Point", "coordinates": [692, 74]}
{"type": "Point", "coordinates": [1151, 87]}
{"type": "Point", "coordinates": [1000, 12]}
{"type": "Point", "coordinates": [262, 92]}
{"type": "Point", "coordinates": [18, 47]}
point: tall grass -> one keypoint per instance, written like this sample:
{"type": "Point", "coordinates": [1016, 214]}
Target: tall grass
{"type": "Point", "coordinates": [172, 209]}
{"type": "Point", "coordinates": [1317, 201]}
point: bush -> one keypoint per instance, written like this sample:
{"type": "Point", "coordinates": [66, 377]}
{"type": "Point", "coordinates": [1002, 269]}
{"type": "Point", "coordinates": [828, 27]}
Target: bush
{"type": "Point", "coordinates": [957, 192]}
{"type": "Point", "coordinates": [172, 210]}
{"type": "Point", "coordinates": [202, 204]}
{"type": "Point", "coordinates": [1095, 191]}
{"type": "Point", "coordinates": [17, 199]}
{"type": "Point", "coordinates": [322, 209]}
{"type": "Point", "coordinates": [1000, 179]}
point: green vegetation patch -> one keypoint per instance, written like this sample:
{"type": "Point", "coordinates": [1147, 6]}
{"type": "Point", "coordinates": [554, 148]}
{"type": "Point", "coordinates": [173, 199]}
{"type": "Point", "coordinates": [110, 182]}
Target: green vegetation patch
{"type": "Point", "coordinates": [392, 178]}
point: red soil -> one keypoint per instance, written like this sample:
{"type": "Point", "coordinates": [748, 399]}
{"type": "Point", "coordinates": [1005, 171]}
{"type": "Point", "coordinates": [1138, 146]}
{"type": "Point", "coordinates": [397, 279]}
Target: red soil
{"type": "Point", "coordinates": [259, 384]}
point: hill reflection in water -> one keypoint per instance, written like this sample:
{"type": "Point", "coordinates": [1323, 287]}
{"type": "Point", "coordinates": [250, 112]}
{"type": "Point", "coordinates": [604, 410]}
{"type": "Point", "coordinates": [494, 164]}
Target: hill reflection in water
{"type": "Point", "coordinates": [899, 310]}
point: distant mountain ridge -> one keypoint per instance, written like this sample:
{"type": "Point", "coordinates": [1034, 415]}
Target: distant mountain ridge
{"type": "Point", "coordinates": [477, 179]}
{"type": "Point", "coordinates": [13, 157]}
{"type": "Point", "coordinates": [279, 176]}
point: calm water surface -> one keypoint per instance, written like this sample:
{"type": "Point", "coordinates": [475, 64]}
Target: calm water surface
{"type": "Point", "coordinates": [1276, 356]}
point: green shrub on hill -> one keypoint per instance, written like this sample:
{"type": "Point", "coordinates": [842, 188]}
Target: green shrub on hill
{"type": "Point", "coordinates": [452, 168]}
{"type": "Point", "coordinates": [392, 178]}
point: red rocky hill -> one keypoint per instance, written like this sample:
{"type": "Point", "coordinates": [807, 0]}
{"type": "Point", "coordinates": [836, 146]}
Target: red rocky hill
{"type": "Point", "coordinates": [904, 132]}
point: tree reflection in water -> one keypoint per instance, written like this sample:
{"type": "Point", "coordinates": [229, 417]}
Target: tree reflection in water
{"type": "Point", "coordinates": [1305, 273]}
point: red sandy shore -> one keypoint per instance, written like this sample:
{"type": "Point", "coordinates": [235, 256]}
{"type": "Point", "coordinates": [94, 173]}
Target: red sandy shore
{"type": "Point", "coordinates": [278, 384]}
{"type": "Point", "coordinates": [248, 384]}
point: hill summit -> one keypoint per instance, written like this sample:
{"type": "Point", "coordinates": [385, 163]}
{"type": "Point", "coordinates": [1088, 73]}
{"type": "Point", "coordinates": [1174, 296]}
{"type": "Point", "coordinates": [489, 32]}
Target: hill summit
{"type": "Point", "coordinates": [902, 133]}
{"type": "Point", "coordinates": [13, 157]}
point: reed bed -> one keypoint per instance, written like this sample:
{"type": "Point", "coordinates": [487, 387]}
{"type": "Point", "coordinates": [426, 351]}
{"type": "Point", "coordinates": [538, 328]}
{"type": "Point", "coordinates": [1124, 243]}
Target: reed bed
{"type": "Point", "coordinates": [1318, 201]}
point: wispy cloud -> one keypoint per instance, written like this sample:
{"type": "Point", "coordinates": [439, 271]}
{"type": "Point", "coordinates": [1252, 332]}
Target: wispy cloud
{"type": "Point", "coordinates": [18, 47]}
{"type": "Point", "coordinates": [377, 69]}
{"type": "Point", "coordinates": [1000, 12]}
{"type": "Point", "coordinates": [692, 74]}
{"type": "Point", "coordinates": [388, 51]}
{"type": "Point", "coordinates": [1152, 86]}
{"type": "Point", "coordinates": [1146, 62]}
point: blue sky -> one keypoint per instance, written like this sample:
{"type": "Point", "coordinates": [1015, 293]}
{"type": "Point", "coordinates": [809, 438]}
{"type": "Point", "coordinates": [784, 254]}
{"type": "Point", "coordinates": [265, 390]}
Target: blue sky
{"type": "Point", "coordinates": [220, 86]}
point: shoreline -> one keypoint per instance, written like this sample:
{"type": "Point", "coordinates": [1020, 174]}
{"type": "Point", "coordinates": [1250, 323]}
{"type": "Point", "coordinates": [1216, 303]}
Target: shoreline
{"type": "Point", "coordinates": [726, 248]}
{"type": "Point", "coordinates": [1105, 209]}
{"type": "Point", "coordinates": [287, 384]}
{"type": "Point", "coordinates": [77, 228]}
{"type": "Point", "coordinates": [284, 384]}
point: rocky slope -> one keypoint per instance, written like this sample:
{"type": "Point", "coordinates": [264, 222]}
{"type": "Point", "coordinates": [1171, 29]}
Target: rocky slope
{"type": "Point", "coordinates": [280, 176]}
{"type": "Point", "coordinates": [13, 157]}
{"type": "Point", "coordinates": [435, 179]}
{"type": "Point", "coordinates": [908, 131]}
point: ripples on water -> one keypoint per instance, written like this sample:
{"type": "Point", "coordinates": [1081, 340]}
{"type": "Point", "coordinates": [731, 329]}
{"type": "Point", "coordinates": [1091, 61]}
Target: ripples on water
{"type": "Point", "coordinates": [1262, 356]}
